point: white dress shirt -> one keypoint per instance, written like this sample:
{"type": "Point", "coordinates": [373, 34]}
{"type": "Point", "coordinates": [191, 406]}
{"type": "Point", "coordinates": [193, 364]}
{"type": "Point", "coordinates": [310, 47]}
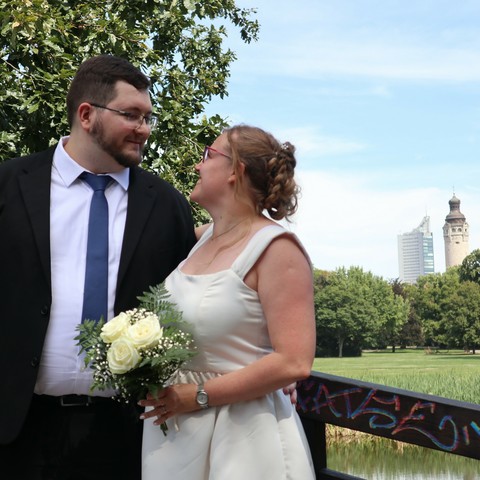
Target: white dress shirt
{"type": "Point", "coordinates": [62, 370]}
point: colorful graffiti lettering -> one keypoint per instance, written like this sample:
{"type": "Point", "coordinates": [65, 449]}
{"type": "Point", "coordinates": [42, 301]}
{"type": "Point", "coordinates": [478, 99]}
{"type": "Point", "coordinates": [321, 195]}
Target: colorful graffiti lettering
{"type": "Point", "coordinates": [393, 413]}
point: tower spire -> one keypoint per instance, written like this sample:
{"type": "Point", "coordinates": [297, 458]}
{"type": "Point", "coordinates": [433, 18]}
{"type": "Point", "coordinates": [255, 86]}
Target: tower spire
{"type": "Point", "coordinates": [455, 234]}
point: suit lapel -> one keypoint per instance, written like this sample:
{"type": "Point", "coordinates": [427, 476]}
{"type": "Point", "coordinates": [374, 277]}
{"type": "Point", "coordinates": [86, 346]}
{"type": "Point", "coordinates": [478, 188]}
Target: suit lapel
{"type": "Point", "coordinates": [34, 185]}
{"type": "Point", "coordinates": [141, 198]}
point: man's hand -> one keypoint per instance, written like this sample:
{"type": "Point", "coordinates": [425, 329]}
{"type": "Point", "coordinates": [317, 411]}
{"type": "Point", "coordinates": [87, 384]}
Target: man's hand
{"type": "Point", "coordinates": [292, 391]}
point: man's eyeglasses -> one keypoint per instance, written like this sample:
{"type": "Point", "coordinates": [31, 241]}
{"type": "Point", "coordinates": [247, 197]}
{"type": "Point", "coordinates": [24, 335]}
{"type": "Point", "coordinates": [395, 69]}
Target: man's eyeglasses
{"type": "Point", "coordinates": [132, 118]}
{"type": "Point", "coordinates": [207, 150]}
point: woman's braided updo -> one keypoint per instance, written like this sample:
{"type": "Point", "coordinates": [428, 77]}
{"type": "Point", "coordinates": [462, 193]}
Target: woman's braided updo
{"type": "Point", "coordinates": [269, 167]}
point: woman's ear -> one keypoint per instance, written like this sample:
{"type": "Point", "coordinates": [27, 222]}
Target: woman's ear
{"type": "Point", "coordinates": [241, 172]}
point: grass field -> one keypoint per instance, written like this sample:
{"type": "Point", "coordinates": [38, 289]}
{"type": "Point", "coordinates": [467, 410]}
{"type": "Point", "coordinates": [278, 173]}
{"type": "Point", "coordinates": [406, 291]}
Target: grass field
{"type": "Point", "coordinates": [450, 374]}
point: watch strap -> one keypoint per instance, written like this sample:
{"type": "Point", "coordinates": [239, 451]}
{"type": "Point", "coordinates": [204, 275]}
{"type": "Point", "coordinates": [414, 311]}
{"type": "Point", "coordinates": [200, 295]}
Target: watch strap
{"type": "Point", "coordinates": [202, 396]}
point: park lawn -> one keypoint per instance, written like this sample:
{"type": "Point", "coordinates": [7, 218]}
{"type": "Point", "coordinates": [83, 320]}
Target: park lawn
{"type": "Point", "coordinates": [451, 374]}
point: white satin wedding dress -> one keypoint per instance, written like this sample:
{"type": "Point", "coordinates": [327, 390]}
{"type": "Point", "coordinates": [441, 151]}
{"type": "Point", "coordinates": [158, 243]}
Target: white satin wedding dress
{"type": "Point", "coordinates": [261, 439]}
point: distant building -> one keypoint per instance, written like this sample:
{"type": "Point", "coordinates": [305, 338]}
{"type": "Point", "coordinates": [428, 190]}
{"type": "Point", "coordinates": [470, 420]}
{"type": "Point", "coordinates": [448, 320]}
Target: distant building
{"type": "Point", "coordinates": [455, 234]}
{"type": "Point", "coordinates": [415, 252]}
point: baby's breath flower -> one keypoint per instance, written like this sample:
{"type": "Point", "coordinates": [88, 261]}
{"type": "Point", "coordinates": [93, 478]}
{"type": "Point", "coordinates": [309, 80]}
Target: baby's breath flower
{"type": "Point", "coordinates": [156, 331]}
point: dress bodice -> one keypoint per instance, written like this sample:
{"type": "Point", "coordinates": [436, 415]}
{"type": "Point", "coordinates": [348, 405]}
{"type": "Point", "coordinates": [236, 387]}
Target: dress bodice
{"type": "Point", "coordinates": [229, 326]}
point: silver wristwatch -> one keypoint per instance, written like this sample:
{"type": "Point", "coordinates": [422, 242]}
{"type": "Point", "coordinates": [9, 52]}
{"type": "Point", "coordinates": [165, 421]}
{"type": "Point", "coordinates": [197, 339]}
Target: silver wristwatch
{"type": "Point", "coordinates": [202, 397]}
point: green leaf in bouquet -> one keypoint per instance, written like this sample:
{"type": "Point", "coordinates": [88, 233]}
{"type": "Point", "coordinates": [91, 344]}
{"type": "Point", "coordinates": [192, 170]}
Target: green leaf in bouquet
{"type": "Point", "coordinates": [157, 300]}
{"type": "Point", "coordinates": [89, 338]}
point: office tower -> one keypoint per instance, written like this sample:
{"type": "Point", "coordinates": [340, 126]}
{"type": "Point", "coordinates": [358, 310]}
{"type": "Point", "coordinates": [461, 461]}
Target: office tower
{"type": "Point", "coordinates": [415, 252]}
{"type": "Point", "coordinates": [455, 234]}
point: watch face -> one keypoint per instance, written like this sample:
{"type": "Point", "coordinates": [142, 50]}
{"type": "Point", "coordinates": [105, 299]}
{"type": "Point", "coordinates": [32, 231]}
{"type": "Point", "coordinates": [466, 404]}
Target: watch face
{"type": "Point", "coordinates": [202, 398]}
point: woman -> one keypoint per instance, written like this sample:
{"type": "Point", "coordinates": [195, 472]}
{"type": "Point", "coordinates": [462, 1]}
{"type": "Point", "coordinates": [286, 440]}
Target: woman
{"type": "Point", "coordinates": [247, 289]}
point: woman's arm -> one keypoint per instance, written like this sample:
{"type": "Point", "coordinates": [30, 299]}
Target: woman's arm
{"type": "Point", "coordinates": [283, 279]}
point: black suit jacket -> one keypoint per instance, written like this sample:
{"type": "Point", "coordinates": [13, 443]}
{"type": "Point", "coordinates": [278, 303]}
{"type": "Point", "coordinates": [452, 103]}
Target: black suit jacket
{"type": "Point", "coordinates": [158, 235]}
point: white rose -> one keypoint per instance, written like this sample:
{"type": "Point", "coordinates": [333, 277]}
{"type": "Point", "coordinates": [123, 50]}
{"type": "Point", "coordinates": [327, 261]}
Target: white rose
{"type": "Point", "coordinates": [115, 327]}
{"type": "Point", "coordinates": [146, 332]}
{"type": "Point", "coordinates": [122, 356]}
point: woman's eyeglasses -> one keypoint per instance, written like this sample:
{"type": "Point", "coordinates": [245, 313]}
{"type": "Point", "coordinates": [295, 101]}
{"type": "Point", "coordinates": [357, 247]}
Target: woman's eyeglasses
{"type": "Point", "coordinates": [207, 150]}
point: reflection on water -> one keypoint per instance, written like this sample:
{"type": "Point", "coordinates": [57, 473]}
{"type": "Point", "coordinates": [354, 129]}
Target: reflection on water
{"type": "Point", "coordinates": [382, 459]}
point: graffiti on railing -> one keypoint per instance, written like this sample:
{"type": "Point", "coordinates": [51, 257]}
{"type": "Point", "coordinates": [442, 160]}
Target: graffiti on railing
{"type": "Point", "coordinates": [391, 413]}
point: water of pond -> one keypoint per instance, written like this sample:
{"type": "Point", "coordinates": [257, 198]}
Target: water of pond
{"type": "Point", "coordinates": [386, 460]}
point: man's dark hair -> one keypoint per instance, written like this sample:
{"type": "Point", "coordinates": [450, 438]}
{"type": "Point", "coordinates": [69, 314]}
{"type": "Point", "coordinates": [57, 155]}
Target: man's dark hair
{"type": "Point", "coordinates": [96, 78]}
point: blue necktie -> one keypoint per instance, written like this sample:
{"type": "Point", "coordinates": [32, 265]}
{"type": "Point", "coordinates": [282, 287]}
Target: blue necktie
{"type": "Point", "coordinates": [95, 296]}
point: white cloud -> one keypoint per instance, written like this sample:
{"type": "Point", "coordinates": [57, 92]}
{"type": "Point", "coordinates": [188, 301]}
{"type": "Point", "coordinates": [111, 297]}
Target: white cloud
{"type": "Point", "coordinates": [419, 42]}
{"type": "Point", "coordinates": [344, 220]}
{"type": "Point", "coordinates": [382, 130]}
{"type": "Point", "coordinates": [379, 58]}
{"type": "Point", "coordinates": [309, 141]}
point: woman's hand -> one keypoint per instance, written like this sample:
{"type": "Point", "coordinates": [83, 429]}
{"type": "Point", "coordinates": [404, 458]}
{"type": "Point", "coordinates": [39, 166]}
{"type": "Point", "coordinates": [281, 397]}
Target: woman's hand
{"type": "Point", "coordinates": [170, 401]}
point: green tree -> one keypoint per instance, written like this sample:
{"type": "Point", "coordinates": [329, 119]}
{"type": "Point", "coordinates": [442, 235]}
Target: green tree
{"type": "Point", "coordinates": [394, 312]}
{"type": "Point", "coordinates": [178, 43]}
{"type": "Point", "coordinates": [426, 300]}
{"type": "Point", "coordinates": [449, 309]}
{"type": "Point", "coordinates": [356, 308]}
{"type": "Point", "coordinates": [341, 310]}
{"type": "Point", "coordinates": [410, 332]}
{"type": "Point", "coordinates": [469, 270]}
{"type": "Point", "coordinates": [461, 316]}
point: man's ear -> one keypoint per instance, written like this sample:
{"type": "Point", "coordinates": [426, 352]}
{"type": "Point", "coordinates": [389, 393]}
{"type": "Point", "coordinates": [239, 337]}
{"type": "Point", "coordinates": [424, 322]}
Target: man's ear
{"type": "Point", "coordinates": [85, 115]}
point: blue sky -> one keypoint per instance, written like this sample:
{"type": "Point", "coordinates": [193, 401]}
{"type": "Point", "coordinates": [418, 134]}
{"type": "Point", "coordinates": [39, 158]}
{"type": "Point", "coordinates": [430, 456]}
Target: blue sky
{"type": "Point", "coordinates": [382, 100]}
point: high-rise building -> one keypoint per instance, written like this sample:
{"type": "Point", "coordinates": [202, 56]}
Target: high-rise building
{"type": "Point", "coordinates": [455, 234]}
{"type": "Point", "coordinates": [415, 252]}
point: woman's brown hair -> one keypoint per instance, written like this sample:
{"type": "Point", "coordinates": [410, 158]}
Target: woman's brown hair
{"type": "Point", "coordinates": [269, 167]}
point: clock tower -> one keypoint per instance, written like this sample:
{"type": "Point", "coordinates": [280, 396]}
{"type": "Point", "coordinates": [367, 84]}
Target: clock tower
{"type": "Point", "coordinates": [455, 234]}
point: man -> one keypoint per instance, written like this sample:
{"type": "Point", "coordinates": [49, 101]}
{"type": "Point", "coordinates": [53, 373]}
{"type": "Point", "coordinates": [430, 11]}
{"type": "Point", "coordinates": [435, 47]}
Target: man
{"type": "Point", "coordinates": [51, 425]}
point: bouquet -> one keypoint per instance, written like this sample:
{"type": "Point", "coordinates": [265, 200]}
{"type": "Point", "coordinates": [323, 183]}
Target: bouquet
{"type": "Point", "coordinates": [137, 351]}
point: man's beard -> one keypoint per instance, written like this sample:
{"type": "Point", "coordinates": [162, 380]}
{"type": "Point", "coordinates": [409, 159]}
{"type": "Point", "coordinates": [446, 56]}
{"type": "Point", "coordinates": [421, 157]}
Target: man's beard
{"type": "Point", "coordinates": [98, 134]}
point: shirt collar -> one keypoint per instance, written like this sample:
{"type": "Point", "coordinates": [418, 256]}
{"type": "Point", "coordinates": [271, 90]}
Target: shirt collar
{"type": "Point", "coordinates": [69, 170]}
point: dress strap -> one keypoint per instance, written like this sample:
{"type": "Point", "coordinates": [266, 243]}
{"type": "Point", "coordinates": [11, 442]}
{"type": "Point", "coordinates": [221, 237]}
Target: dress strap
{"type": "Point", "coordinates": [257, 245]}
{"type": "Point", "coordinates": [203, 239]}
